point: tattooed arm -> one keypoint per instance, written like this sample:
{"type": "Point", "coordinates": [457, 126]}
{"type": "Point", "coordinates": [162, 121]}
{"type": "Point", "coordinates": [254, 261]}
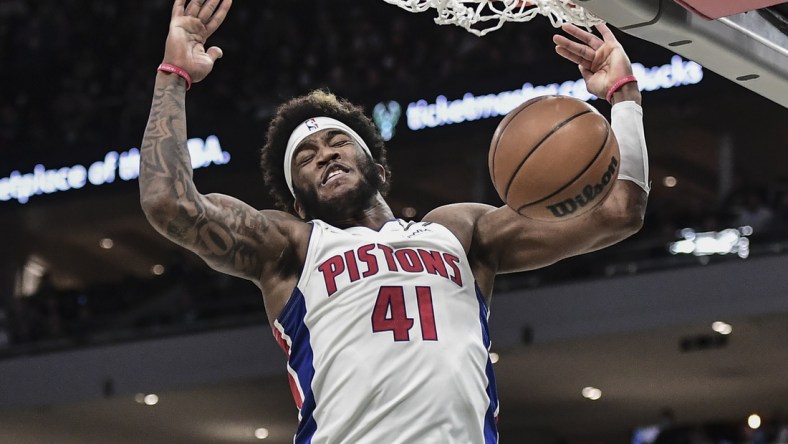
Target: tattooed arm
{"type": "Point", "coordinates": [229, 235]}
{"type": "Point", "coordinates": [224, 231]}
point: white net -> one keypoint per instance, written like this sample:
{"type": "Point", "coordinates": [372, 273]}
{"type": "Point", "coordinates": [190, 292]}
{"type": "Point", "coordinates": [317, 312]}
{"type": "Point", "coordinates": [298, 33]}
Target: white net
{"type": "Point", "coordinates": [483, 16]}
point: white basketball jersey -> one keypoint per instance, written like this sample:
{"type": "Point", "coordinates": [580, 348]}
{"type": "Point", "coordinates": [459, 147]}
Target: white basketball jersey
{"type": "Point", "coordinates": [387, 341]}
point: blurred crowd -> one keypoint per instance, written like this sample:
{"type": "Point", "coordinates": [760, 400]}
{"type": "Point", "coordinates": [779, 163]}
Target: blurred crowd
{"type": "Point", "coordinates": [773, 430]}
{"type": "Point", "coordinates": [764, 208]}
{"type": "Point", "coordinates": [81, 72]}
{"type": "Point", "coordinates": [184, 298]}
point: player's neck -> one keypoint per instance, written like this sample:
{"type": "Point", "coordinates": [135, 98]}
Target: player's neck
{"type": "Point", "coordinates": [373, 217]}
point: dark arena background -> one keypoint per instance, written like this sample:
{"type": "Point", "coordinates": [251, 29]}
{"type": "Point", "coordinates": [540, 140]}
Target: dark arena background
{"type": "Point", "coordinates": [111, 334]}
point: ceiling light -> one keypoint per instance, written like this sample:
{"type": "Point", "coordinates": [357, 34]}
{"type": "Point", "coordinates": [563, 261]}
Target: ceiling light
{"type": "Point", "coordinates": [592, 393]}
{"type": "Point", "coordinates": [722, 328]}
{"type": "Point", "coordinates": [151, 399]}
{"type": "Point", "coordinates": [494, 357]}
{"type": "Point", "coordinates": [261, 433]}
{"type": "Point", "coordinates": [669, 181]}
{"type": "Point", "coordinates": [754, 421]}
{"type": "Point", "coordinates": [157, 269]}
{"type": "Point", "coordinates": [106, 243]}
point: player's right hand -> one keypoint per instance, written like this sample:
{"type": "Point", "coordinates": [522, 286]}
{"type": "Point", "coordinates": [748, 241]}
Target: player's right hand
{"type": "Point", "coordinates": [602, 61]}
{"type": "Point", "coordinates": [190, 27]}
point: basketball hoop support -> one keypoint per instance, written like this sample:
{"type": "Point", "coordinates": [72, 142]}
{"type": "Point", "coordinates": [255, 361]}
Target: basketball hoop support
{"type": "Point", "coordinates": [483, 16]}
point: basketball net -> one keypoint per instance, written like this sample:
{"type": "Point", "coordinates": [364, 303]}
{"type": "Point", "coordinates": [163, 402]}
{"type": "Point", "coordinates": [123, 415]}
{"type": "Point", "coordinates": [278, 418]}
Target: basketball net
{"type": "Point", "coordinates": [483, 16]}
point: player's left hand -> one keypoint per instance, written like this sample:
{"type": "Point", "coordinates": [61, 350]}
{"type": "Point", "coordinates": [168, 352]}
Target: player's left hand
{"type": "Point", "coordinates": [601, 61]}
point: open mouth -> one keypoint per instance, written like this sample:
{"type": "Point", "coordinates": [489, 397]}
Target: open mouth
{"type": "Point", "coordinates": [332, 171]}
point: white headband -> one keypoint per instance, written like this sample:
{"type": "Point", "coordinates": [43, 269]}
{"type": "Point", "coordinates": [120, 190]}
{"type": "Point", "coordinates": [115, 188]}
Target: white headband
{"type": "Point", "coordinates": [306, 129]}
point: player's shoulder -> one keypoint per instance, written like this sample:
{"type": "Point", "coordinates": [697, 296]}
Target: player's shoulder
{"type": "Point", "coordinates": [464, 213]}
{"type": "Point", "coordinates": [460, 219]}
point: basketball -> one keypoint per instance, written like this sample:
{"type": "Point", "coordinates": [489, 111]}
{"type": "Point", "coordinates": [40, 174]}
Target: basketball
{"type": "Point", "coordinates": [553, 158]}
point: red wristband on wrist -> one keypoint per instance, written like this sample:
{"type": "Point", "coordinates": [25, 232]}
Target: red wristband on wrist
{"type": "Point", "coordinates": [172, 69]}
{"type": "Point", "coordinates": [619, 83]}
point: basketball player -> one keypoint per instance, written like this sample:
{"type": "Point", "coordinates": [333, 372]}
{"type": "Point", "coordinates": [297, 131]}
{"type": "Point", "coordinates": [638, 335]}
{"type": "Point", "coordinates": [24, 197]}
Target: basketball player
{"type": "Point", "coordinates": [384, 321]}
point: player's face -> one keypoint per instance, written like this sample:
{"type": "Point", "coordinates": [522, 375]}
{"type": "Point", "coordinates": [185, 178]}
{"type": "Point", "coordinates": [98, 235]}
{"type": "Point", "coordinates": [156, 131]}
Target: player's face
{"type": "Point", "coordinates": [333, 177]}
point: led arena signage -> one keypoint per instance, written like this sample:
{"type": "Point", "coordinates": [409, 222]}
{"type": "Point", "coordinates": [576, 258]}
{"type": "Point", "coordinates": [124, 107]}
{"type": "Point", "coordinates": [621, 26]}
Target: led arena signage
{"type": "Point", "coordinates": [124, 166]}
{"type": "Point", "coordinates": [422, 114]}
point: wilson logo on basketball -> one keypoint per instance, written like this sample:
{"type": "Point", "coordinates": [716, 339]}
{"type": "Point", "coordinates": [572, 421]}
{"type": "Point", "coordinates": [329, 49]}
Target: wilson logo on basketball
{"type": "Point", "coordinates": [589, 194]}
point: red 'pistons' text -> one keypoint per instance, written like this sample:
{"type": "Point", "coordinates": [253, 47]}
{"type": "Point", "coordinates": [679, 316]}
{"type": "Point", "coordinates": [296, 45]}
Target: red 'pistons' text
{"type": "Point", "coordinates": [365, 261]}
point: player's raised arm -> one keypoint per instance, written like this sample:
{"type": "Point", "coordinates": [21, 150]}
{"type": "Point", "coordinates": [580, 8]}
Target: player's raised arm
{"type": "Point", "coordinates": [607, 72]}
{"type": "Point", "coordinates": [228, 234]}
{"type": "Point", "coordinates": [514, 243]}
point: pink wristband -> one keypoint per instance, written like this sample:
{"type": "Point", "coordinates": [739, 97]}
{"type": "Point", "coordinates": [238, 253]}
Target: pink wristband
{"type": "Point", "coordinates": [172, 69]}
{"type": "Point", "coordinates": [619, 83]}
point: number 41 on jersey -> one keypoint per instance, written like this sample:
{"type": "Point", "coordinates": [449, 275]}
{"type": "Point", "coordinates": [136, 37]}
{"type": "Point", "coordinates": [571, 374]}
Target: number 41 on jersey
{"type": "Point", "coordinates": [390, 313]}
